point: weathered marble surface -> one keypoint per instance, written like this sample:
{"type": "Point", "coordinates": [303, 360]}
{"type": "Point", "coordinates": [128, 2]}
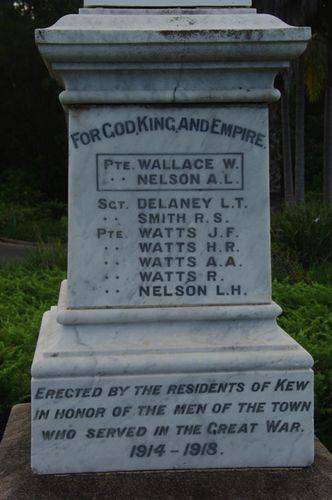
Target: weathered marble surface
{"type": "Point", "coordinates": [166, 3]}
{"type": "Point", "coordinates": [128, 79]}
{"type": "Point", "coordinates": [88, 351]}
{"type": "Point", "coordinates": [152, 341]}
{"type": "Point", "coordinates": [166, 10]}
{"type": "Point", "coordinates": [163, 214]}
{"type": "Point", "coordinates": [219, 420]}
{"type": "Point", "coordinates": [19, 483]}
{"type": "Point", "coordinates": [169, 58]}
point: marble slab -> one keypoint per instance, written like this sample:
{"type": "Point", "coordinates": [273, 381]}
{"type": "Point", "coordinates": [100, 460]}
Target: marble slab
{"type": "Point", "coordinates": [164, 351]}
{"type": "Point", "coordinates": [168, 206]}
{"type": "Point", "coordinates": [219, 420]}
{"type": "Point", "coordinates": [167, 3]}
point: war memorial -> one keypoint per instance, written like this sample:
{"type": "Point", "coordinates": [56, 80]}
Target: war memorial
{"type": "Point", "coordinates": [163, 352]}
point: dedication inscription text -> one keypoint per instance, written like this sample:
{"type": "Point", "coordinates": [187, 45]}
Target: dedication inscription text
{"type": "Point", "coordinates": [192, 421]}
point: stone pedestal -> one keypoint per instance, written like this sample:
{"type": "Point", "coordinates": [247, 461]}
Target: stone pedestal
{"type": "Point", "coordinates": [164, 351]}
{"type": "Point", "coordinates": [19, 483]}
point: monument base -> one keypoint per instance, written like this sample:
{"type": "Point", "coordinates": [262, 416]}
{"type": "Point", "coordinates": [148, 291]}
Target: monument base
{"type": "Point", "coordinates": [116, 390]}
{"type": "Point", "coordinates": [18, 482]}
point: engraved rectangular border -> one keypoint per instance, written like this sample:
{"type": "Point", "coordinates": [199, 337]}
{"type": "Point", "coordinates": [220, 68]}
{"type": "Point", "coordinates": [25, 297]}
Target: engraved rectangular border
{"type": "Point", "coordinates": [240, 188]}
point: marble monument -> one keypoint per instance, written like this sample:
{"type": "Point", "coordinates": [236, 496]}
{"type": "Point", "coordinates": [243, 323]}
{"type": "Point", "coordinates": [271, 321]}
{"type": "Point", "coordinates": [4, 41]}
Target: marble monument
{"type": "Point", "coordinates": [164, 351]}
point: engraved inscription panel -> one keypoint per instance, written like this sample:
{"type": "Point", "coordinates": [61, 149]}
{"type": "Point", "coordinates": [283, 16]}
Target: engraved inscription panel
{"type": "Point", "coordinates": [168, 206]}
{"type": "Point", "coordinates": [177, 421]}
{"type": "Point", "coordinates": [225, 170]}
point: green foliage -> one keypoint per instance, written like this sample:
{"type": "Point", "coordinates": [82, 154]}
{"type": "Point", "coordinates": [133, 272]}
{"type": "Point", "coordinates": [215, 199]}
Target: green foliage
{"type": "Point", "coordinates": [33, 223]}
{"type": "Point", "coordinates": [304, 231]}
{"type": "Point", "coordinates": [316, 68]}
{"type": "Point", "coordinates": [48, 256]}
{"type": "Point", "coordinates": [25, 294]}
{"type": "Point", "coordinates": [314, 154]}
{"type": "Point", "coordinates": [285, 264]}
{"type": "Point", "coordinates": [24, 213]}
{"type": "Point", "coordinates": [32, 141]}
{"type": "Point", "coordinates": [20, 188]}
{"type": "Point", "coordinates": [46, 11]}
{"type": "Point", "coordinates": [41, 222]}
{"type": "Point", "coordinates": [320, 273]}
{"type": "Point", "coordinates": [308, 319]}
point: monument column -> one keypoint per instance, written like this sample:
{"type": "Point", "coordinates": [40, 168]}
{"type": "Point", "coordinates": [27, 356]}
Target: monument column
{"type": "Point", "coordinates": [164, 350]}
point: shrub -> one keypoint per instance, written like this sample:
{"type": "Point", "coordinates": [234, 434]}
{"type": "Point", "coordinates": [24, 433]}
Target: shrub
{"type": "Point", "coordinates": [20, 187]}
{"type": "Point", "coordinates": [320, 273]}
{"type": "Point", "coordinates": [304, 231]}
{"type": "Point", "coordinates": [25, 214]}
{"type": "Point", "coordinates": [25, 294]}
{"type": "Point", "coordinates": [45, 221]}
{"type": "Point", "coordinates": [47, 256]}
{"type": "Point", "coordinates": [285, 265]}
{"type": "Point", "coordinates": [308, 319]}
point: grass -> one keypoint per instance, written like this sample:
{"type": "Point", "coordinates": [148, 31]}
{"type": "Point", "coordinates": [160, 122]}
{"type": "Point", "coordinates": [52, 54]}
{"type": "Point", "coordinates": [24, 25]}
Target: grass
{"type": "Point", "coordinates": [25, 294]}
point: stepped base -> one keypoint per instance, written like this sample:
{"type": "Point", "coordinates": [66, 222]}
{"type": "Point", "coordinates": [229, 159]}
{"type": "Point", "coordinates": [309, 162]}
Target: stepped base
{"type": "Point", "coordinates": [116, 390]}
{"type": "Point", "coordinates": [17, 481]}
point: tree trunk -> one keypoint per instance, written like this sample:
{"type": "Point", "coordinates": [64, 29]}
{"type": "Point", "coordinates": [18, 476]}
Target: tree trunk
{"type": "Point", "coordinates": [300, 132]}
{"type": "Point", "coordinates": [287, 144]}
{"type": "Point", "coordinates": [328, 130]}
